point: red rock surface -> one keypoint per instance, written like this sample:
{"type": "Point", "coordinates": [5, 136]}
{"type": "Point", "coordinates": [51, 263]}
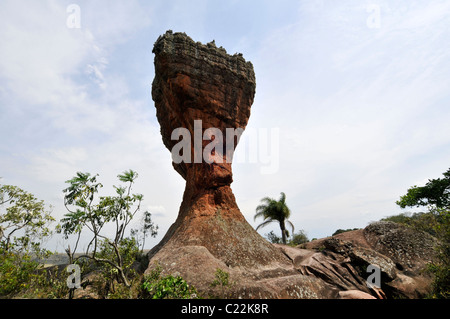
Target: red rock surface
{"type": "Point", "coordinates": [202, 82]}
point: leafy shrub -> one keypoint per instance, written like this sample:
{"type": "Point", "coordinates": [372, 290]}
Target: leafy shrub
{"type": "Point", "coordinates": [299, 238]}
{"type": "Point", "coordinates": [437, 223]}
{"type": "Point", "coordinates": [87, 211]}
{"type": "Point", "coordinates": [441, 267]}
{"type": "Point", "coordinates": [168, 287]}
{"type": "Point", "coordinates": [113, 284]}
{"type": "Point", "coordinates": [128, 251]}
{"type": "Point", "coordinates": [273, 238]}
{"type": "Point", "coordinates": [24, 224]}
{"type": "Point", "coordinates": [16, 272]}
{"type": "Point", "coordinates": [222, 279]}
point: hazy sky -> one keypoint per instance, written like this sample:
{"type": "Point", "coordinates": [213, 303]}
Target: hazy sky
{"type": "Point", "coordinates": [352, 103]}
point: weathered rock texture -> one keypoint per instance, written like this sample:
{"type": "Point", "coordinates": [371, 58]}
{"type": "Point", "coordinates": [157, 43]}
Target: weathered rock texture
{"type": "Point", "coordinates": [202, 82]}
{"type": "Point", "coordinates": [402, 254]}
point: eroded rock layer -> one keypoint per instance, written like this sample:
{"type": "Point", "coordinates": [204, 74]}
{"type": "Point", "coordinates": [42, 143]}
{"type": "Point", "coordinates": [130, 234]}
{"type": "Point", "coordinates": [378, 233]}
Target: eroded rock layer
{"type": "Point", "coordinates": [196, 82]}
{"type": "Point", "coordinates": [200, 82]}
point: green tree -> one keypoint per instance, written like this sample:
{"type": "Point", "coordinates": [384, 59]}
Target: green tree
{"type": "Point", "coordinates": [275, 211]}
{"type": "Point", "coordinates": [86, 212]}
{"type": "Point", "coordinates": [273, 238]}
{"type": "Point", "coordinates": [129, 252]}
{"type": "Point", "coordinates": [441, 268]}
{"type": "Point", "coordinates": [147, 227]}
{"type": "Point", "coordinates": [24, 216]}
{"type": "Point", "coordinates": [299, 238]}
{"type": "Point", "coordinates": [435, 193]}
{"type": "Point", "coordinates": [24, 225]}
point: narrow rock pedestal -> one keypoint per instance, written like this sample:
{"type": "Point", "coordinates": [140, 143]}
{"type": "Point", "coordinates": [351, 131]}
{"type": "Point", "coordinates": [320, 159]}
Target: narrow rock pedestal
{"type": "Point", "coordinates": [196, 82]}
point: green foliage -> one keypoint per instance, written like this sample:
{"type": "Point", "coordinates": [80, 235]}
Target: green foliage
{"type": "Point", "coordinates": [299, 238]}
{"type": "Point", "coordinates": [16, 272]}
{"type": "Point", "coordinates": [435, 193]}
{"type": "Point", "coordinates": [424, 221]}
{"type": "Point", "coordinates": [52, 284]}
{"type": "Point", "coordinates": [441, 282]}
{"type": "Point", "coordinates": [275, 211]}
{"type": "Point", "coordinates": [441, 267]}
{"type": "Point", "coordinates": [128, 176]}
{"type": "Point", "coordinates": [24, 216]}
{"type": "Point", "coordinates": [155, 286]}
{"type": "Point", "coordinates": [437, 223]}
{"type": "Point", "coordinates": [222, 279]}
{"type": "Point", "coordinates": [402, 218]}
{"type": "Point", "coordinates": [24, 224]}
{"type": "Point", "coordinates": [113, 262]}
{"type": "Point", "coordinates": [89, 211]}
{"type": "Point", "coordinates": [128, 252]}
{"type": "Point", "coordinates": [147, 227]}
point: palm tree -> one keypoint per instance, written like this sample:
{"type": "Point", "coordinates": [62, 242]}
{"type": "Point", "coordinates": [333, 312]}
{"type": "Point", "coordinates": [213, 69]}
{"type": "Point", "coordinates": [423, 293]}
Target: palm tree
{"type": "Point", "coordinates": [275, 211]}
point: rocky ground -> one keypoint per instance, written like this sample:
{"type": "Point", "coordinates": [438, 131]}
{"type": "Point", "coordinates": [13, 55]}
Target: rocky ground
{"type": "Point", "coordinates": [400, 252]}
{"type": "Point", "coordinates": [332, 268]}
{"type": "Point", "coordinates": [328, 268]}
{"type": "Point", "coordinates": [198, 82]}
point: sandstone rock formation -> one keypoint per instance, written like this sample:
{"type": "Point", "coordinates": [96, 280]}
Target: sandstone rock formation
{"type": "Point", "coordinates": [196, 82]}
{"type": "Point", "coordinates": [202, 82]}
{"type": "Point", "coordinates": [401, 253]}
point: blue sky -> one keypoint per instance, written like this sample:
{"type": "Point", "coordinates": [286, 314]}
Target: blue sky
{"type": "Point", "coordinates": [359, 98]}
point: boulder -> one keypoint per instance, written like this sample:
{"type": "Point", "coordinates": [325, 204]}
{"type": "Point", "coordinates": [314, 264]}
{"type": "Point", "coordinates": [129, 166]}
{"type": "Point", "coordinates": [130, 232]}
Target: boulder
{"type": "Point", "coordinates": [333, 268]}
{"type": "Point", "coordinates": [401, 253]}
{"type": "Point", "coordinates": [411, 250]}
{"type": "Point", "coordinates": [363, 256]}
{"type": "Point", "coordinates": [407, 247]}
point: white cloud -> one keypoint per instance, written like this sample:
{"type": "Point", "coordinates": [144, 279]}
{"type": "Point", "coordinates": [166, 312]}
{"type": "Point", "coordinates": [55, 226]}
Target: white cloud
{"type": "Point", "coordinates": [41, 52]}
{"type": "Point", "coordinates": [63, 110]}
{"type": "Point", "coordinates": [360, 110]}
{"type": "Point", "coordinates": [357, 108]}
